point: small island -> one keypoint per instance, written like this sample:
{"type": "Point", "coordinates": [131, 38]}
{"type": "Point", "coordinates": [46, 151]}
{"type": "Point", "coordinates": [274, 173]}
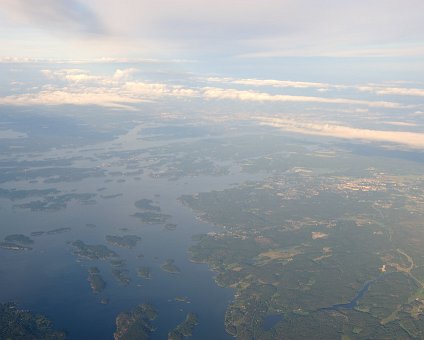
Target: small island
{"type": "Point", "coordinates": [185, 328]}
{"type": "Point", "coordinates": [104, 301]}
{"type": "Point", "coordinates": [127, 241]}
{"type": "Point", "coordinates": [170, 267]}
{"type": "Point", "coordinates": [150, 213]}
{"type": "Point", "coordinates": [37, 233]}
{"type": "Point", "coordinates": [93, 252]}
{"type": "Point", "coordinates": [13, 246]}
{"type": "Point", "coordinates": [147, 205]}
{"type": "Point", "coordinates": [106, 197]}
{"type": "Point", "coordinates": [145, 272]}
{"type": "Point", "coordinates": [117, 262]}
{"type": "Point", "coordinates": [97, 283]}
{"type": "Point", "coordinates": [136, 324]}
{"type": "Point", "coordinates": [170, 226]}
{"type": "Point", "coordinates": [150, 217]}
{"type": "Point", "coordinates": [122, 276]}
{"type": "Point", "coordinates": [19, 238]}
{"type": "Point", "coordinates": [182, 299]}
{"type": "Point", "coordinates": [59, 231]}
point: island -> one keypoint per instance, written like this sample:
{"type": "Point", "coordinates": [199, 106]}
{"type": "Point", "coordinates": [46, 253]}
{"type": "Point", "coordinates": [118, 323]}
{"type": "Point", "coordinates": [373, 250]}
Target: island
{"type": "Point", "coordinates": [59, 231]}
{"type": "Point", "coordinates": [19, 238]}
{"type": "Point", "coordinates": [13, 246]}
{"type": "Point", "coordinates": [15, 194]}
{"type": "Point", "coordinates": [146, 205]}
{"type": "Point", "coordinates": [127, 241]}
{"type": "Point", "coordinates": [117, 262]}
{"type": "Point", "coordinates": [170, 226]}
{"type": "Point", "coordinates": [93, 252]}
{"type": "Point", "coordinates": [16, 323]}
{"type": "Point", "coordinates": [150, 213]}
{"type": "Point", "coordinates": [182, 299]}
{"type": "Point", "coordinates": [185, 328]}
{"type": "Point", "coordinates": [110, 196]}
{"type": "Point", "coordinates": [121, 275]}
{"type": "Point", "coordinates": [136, 324]}
{"type": "Point", "coordinates": [97, 283]}
{"type": "Point", "coordinates": [54, 203]}
{"type": "Point", "coordinates": [170, 267]}
{"type": "Point", "coordinates": [151, 217]}
{"type": "Point", "coordinates": [104, 301]}
{"type": "Point", "coordinates": [145, 272]}
{"type": "Point", "coordinates": [37, 233]}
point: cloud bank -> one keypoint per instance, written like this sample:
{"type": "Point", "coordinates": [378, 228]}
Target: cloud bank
{"type": "Point", "coordinates": [409, 139]}
{"type": "Point", "coordinates": [123, 88]}
{"type": "Point", "coordinates": [80, 87]}
{"type": "Point", "coordinates": [233, 94]}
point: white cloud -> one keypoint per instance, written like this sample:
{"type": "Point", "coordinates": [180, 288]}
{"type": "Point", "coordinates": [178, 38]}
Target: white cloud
{"type": "Point", "coordinates": [409, 139]}
{"type": "Point", "coordinates": [384, 90]}
{"type": "Point", "coordinates": [100, 97]}
{"type": "Point", "coordinates": [233, 94]}
{"type": "Point", "coordinates": [157, 90]}
{"type": "Point", "coordinates": [400, 91]}
{"type": "Point", "coordinates": [122, 89]}
{"type": "Point", "coordinates": [74, 75]}
{"type": "Point", "coordinates": [83, 88]}
{"type": "Point", "coordinates": [124, 74]}
{"type": "Point", "coordinates": [12, 134]}
{"type": "Point", "coordinates": [271, 83]}
{"type": "Point", "coordinates": [395, 123]}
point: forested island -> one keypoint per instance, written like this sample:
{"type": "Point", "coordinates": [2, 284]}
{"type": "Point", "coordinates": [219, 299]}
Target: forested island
{"type": "Point", "coordinates": [21, 324]}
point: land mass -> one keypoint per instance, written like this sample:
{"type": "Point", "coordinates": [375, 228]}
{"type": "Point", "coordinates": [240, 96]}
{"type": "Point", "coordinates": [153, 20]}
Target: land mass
{"type": "Point", "coordinates": [185, 328]}
{"type": "Point", "coordinates": [93, 252]}
{"type": "Point", "coordinates": [170, 267]}
{"type": "Point", "coordinates": [126, 241]}
{"type": "Point", "coordinates": [19, 238]}
{"type": "Point", "coordinates": [145, 272]}
{"type": "Point", "coordinates": [13, 246]}
{"type": "Point", "coordinates": [136, 324]}
{"type": "Point", "coordinates": [97, 283]}
{"type": "Point", "coordinates": [21, 324]}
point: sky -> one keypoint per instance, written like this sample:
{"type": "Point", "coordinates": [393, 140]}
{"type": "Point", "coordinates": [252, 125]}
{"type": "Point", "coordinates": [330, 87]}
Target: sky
{"type": "Point", "coordinates": [203, 30]}
{"type": "Point", "coordinates": [339, 68]}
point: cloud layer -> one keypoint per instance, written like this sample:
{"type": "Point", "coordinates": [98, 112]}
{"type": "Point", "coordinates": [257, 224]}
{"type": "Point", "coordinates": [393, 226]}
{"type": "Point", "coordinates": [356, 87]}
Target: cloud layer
{"type": "Point", "coordinates": [409, 139]}
{"type": "Point", "coordinates": [122, 89]}
{"type": "Point", "coordinates": [233, 94]}
{"type": "Point", "coordinates": [80, 87]}
{"type": "Point", "coordinates": [321, 109]}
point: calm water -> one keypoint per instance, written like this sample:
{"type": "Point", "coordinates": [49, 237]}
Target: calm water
{"type": "Point", "coordinates": [354, 302]}
{"type": "Point", "coordinates": [52, 281]}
